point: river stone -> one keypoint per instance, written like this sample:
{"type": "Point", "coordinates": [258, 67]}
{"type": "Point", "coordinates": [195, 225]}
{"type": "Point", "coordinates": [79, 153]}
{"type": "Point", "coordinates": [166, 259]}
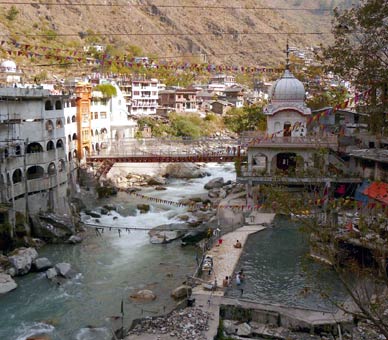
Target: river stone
{"type": "Point", "coordinates": [63, 269]}
{"type": "Point", "coordinates": [21, 259]}
{"type": "Point", "coordinates": [159, 188]}
{"type": "Point", "coordinates": [92, 214]}
{"type": "Point", "coordinates": [144, 208]}
{"type": "Point", "coordinates": [244, 330]}
{"type": "Point", "coordinates": [229, 326]}
{"type": "Point", "coordinates": [184, 170]}
{"type": "Point", "coordinates": [143, 295]}
{"type": "Point", "coordinates": [217, 182]}
{"type": "Point", "coordinates": [156, 181]}
{"type": "Point", "coordinates": [52, 228]}
{"type": "Point", "coordinates": [51, 273]}
{"type": "Point", "coordinates": [74, 239]}
{"type": "Point", "coordinates": [181, 292]}
{"type": "Point", "coordinates": [42, 263]}
{"type": "Point", "coordinates": [6, 283]}
{"type": "Point", "coordinates": [39, 337]}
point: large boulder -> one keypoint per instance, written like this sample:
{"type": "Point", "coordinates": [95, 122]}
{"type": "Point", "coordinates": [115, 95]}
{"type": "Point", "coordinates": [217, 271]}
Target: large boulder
{"type": "Point", "coordinates": [181, 292]}
{"type": "Point", "coordinates": [143, 295]}
{"type": "Point", "coordinates": [6, 283]}
{"type": "Point", "coordinates": [21, 259]}
{"type": "Point", "coordinates": [215, 183]}
{"type": "Point", "coordinates": [42, 263]}
{"type": "Point", "coordinates": [52, 228]}
{"type": "Point", "coordinates": [167, 232]}
{"type": "Point", "coordinates": [64, 269]}
{"type": "Point", "coordinates": [143, 208]}
{"type": "Point", "coordinates": [184, 170]}
{"type": "Point", "coordinates": [156, 181]}
{"type": "Point", "coordinates": [194, 236]}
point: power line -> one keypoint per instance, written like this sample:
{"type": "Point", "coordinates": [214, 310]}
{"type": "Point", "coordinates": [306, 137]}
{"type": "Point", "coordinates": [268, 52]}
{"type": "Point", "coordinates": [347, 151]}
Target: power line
{"type": "Point", "coordinates": [93, 4]}
{"type": "Point", "coordinates": [167, 34]}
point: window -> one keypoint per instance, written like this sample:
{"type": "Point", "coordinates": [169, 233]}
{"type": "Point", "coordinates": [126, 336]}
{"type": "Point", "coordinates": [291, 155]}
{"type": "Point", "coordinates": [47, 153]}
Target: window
{"type": "Point", "coordinates": [103, 115]}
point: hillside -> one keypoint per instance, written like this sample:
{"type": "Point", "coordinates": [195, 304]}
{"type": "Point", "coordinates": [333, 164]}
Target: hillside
{"type": "Point", "coordinates": [247, 34]}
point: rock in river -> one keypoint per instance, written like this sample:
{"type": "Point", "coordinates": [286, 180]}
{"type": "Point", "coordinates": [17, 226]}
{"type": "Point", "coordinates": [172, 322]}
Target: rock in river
{"type": "Point", "coordinates": [143, 295]}
{"type": "Point", "coordinates": [6, 283]}
{"type": "Point", "coordinates": [217, 182]}
{"type": "Point", "coordinates": [42, 263]}
{"type": "Point", "coordinates": [21, 259]}
{"type": "Point", "coordinates": [181, 292]}
{"type": "Point", "coordinates": [52, 228]}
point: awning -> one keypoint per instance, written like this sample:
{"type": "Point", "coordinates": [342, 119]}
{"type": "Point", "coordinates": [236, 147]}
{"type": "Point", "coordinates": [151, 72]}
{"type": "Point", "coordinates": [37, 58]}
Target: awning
{"type": "Point", "coordinates": [377, 191]}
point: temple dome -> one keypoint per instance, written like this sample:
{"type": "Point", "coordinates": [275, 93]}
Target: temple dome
{"type": "Point", "coordinates": [288, 88]}
{"type": "Point", "coordinates": [8, 66]}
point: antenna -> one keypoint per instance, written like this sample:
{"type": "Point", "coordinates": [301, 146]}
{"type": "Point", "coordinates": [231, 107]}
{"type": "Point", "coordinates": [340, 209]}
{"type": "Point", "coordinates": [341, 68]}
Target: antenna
{"type": "Point", "coordinates": [287, 57]}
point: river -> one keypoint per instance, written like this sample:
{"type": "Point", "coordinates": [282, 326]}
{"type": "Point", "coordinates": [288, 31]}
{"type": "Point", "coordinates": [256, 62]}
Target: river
{"type": "Point", "coordinates": [112, 267]}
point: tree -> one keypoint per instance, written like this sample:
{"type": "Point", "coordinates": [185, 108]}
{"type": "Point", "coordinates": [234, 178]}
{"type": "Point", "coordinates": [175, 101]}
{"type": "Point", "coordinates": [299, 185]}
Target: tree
{"type": "Point", "coordinates": [107, 90]}
{"type": "Point", "coordinates": [246, 118]}
{"type": "Point", "coordinates": [12, 13]}
{"type": "Point", "coordinates": [359, 53]}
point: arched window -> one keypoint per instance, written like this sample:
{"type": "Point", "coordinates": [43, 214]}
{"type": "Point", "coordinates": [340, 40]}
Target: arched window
{"type": "Point", "coordinates": [69, 138]}
{"type": "Point", "coordinates": [68, 121]}
{"type": "Point", "coordinates": [75, 155]}
{"type": "Point", "coordinates": [91, 133]}
{"type": "Point", "coordinates": [34, 172]}
{"type": "Point", "coordinates": [17, 176]}
{"type": "Point", "coordinates": [51, 170]}
{"type": "Point", "coordinates": [103, 130]}
{"type": "Point", "coordinates": [73, 119]}
{"type": "Point", "coordinates": [69, 156]}
{"type": "Point", "coordinates": [49, 125]}
{"type": "Point", "coordinates": [58, 105]}
{"type": "Point", "coordinates": [48, 105]}
{"type": "Point", "coordinates": [74, 136]}
{"type": "Point", "coordinates": [18, 150]}
{"type": "Point", "coordinates": [96, 115]}
{"type": "Point", "coordinates": [61, 165]}
{"type": "Point", "coordinates": [59, 123]}
{"type": "Point", "coordinates": [6, 153]}
{"type": "Point", "coordinates": [34, 147]}
{"type": "Point", "coordinates": [96, 133]}
{"type": "Point", "coordinates": [50, 145]}
{"type": "Point", "coordinates": [59, 144]}
{"type": "Point", "coordinates": [97, 147]}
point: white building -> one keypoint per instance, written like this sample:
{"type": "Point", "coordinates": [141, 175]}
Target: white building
{"type": "Point", "coordinates": [144, 97]}
{"type": "Point", "coordinates": [287, 112]}
{"type": "Point", "coordinates": [9, 73]}
{"type": "Point", "coordinates": [33, 163]}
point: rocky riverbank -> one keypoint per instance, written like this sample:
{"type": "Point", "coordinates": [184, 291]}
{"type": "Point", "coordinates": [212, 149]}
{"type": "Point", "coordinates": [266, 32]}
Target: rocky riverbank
{"type": "Point", "coordinates": [23, 261]}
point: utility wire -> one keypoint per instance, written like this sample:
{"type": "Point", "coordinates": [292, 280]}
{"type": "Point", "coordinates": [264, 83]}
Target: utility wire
{"type": "Point", "coordinates": [93, 4]}
{"type": "Point", "coordinates": [166, 34]}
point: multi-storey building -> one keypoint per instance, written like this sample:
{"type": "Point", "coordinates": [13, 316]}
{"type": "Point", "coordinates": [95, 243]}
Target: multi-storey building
{"type": "Point", "coordinates": [33, 167]}
{"type": "Point", "coordinates": [180, 100]}
{"type": "Point", "coordinates": [144, 96]}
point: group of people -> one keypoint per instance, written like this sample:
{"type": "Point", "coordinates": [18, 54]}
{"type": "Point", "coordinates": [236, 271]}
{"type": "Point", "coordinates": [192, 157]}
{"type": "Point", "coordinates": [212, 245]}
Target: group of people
{"type": "Point", "coordinates": [238, 277]}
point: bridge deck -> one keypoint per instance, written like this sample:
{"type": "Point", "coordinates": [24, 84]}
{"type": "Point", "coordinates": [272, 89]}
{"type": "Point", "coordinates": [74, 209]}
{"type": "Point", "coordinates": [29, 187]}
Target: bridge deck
{"type": "Point", "coordinates": [177, 158]}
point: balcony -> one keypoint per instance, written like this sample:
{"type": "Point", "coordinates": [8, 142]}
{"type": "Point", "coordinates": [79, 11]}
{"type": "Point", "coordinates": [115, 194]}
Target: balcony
{"type": "Point", "coordinates": [294, 142]}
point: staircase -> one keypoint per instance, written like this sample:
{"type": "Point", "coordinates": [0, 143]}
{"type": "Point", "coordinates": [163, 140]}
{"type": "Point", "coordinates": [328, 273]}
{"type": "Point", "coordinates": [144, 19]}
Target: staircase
{"type": "Point", "coordinates": [104, 168]}
{"type": "Point", "coordinates": [337, 162]}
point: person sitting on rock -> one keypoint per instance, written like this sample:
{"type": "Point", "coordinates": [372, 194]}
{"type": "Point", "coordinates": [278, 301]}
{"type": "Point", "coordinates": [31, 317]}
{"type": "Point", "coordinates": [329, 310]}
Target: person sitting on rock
{"type": "Point", "coordinates": [237, 244]}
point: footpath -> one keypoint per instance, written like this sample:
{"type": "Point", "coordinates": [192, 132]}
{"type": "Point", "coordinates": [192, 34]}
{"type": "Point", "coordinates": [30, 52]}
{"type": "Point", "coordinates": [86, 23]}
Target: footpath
{"type": "Point", "coordinates": [225, 259]}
